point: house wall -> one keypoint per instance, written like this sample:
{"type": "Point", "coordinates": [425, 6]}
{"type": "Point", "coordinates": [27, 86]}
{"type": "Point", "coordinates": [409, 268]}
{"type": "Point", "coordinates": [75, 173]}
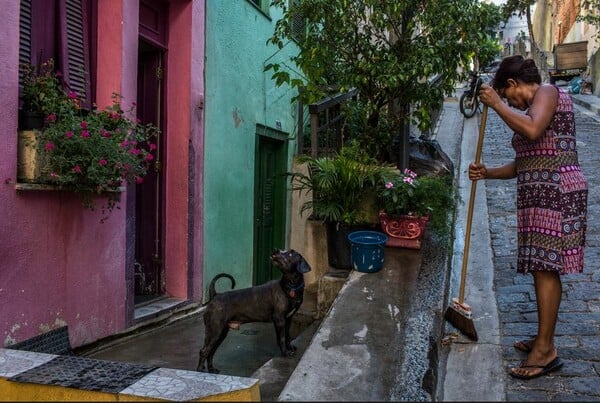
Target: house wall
{"type": "Point", "coordinates": [59, 265]}
{"type": "Point", "coordinates": [239, 95]}
{"type": "Point", "coordinates": [556, 23]}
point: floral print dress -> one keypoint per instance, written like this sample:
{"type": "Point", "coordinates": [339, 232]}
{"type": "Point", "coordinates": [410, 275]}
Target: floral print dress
{"type": "Point", "coordinates": [551, 197]}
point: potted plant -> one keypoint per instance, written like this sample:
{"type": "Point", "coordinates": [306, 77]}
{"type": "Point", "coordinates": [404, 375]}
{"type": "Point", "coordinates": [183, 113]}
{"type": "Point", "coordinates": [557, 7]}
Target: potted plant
{"type": "Point", "coordinates": [40, 89]}
{"type": "Point", "coordinates": [91, 152]}
{"type": "Point", "coordinates": [408, 203]}
{"type": "Point", "coordinates": [343, 189]}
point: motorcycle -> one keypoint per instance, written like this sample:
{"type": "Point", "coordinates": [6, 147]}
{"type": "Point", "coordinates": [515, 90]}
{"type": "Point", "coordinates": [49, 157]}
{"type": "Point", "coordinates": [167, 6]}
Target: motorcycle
{"type": "Point", "coordinates": [469, 100]}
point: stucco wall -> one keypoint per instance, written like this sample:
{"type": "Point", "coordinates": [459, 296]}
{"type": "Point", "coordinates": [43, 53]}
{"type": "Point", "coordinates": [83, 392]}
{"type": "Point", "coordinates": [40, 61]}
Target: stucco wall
{"type": "Point", "coordinates": [239, 95]}
{"type": "Point", "coordinates": [59, 265]}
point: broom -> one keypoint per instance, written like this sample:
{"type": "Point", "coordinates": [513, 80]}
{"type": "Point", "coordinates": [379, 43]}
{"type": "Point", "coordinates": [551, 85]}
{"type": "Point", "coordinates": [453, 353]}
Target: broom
{"type": "Point", "coordinates": [459, 312]}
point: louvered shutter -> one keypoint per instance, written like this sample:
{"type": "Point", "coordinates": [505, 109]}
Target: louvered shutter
{"type": "Point", "coordinates": [74, 47]}
{"type": "Point", "coordinates": [70, 34]}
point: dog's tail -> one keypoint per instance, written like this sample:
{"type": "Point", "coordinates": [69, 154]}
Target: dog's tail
{"type": "Point", "coordinates": [211, 287]}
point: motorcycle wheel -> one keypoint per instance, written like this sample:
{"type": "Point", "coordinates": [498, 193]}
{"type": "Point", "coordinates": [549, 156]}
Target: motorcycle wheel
{"type": "Point", "coordinates": [468, 105]}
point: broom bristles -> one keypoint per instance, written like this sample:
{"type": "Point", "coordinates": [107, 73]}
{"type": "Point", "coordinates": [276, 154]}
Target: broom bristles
{"type": "Point", "coordinates": [459, 315]}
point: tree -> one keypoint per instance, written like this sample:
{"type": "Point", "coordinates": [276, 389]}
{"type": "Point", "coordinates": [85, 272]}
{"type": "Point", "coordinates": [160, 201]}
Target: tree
{"type": "Point", "coordinates": [385, 49]}
{"type": "Point", "coordinates": [590, 14]}
{"type": "Point", "coordinates": [520, 8]}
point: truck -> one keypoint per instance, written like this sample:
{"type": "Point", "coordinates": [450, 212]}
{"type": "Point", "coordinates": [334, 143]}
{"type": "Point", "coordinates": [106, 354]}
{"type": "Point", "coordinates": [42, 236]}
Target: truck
{"type": "Point", "coordinates": [570, 60]}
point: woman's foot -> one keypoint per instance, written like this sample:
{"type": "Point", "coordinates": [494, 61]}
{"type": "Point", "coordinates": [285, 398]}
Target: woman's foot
{"type": "Point", "coordinates": [524, 345]}
{"type": "Point", "coordinates": [530, 371]}
{"type": "Point", "coordinates": [537, 364]}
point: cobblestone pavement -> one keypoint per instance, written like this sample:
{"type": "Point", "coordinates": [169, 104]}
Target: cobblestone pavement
{"type": "Point", "coordinates": [578, 328]}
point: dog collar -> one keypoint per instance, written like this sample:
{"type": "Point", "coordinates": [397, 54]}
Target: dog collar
{"type": "Point", "coordinates": [291, 290]}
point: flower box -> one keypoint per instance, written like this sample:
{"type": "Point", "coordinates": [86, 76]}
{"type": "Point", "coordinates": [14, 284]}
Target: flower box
{"type": "Point", "coordinates": [404, 231]}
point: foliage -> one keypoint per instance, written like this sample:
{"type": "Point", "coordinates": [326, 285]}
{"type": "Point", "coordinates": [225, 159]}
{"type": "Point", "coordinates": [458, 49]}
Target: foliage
{"type": "Point", "coordinates": [403, 193]}
{"type": "Point", "coordinates": [342, 187]}
{"type": "Point", "coordinates": [591, 14]}
{"type": "Point", "coordinates": [41, 87]}
{"type": "Point", "coordinates": [91, 152]}
{"type": "Point", "coordinates": [388, 50]}
{"type": "Point", "coordinates": [519, 8]}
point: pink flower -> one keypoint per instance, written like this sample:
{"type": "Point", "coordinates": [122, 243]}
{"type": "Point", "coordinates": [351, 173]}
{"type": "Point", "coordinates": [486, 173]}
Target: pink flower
{"type": "Point", "coordinates": [51, 118]}
{"type": "Point", "coordinates": [73, 95]}
{"type": "Point", "coordinates": [114, 115]}
{"type": "Point", "coordinates": [49, 147]}
{"type": "Point", "coordinates": [124, 144]}
{"type": "Point", "coordinates": [104, 133]}
{"type": "Point", "coordinates": [85, 134]}
{"type": "Point", "coordinates": [77, 169]}
{"type": "Point", "coordinates": [53, 175]}
{"type": "Point", "coordinates": [152, 146]}
{"type": "Point", "coordinates": [389, 185]}
{"type": "Point", "coordinates": [149, 157]}
{"type": "Point", "coordinates": [83, 124]}
{"type": "Point", "coordinates": [134, 151]}
{"type": "Point", "coordinates": [408, 179]}
{"type": "Point", "coordinates": [410, 173]}
{"type": "Point", "coordinates": [103, 162]}
{"type": "Point", "coordinates": [139, 179]}
{"type": "Point", "coordinates": [69, 134]}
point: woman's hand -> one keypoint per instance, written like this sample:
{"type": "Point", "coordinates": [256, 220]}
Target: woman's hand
{"type": "Point", "coordinates": [477, 171]}
{"type": "Point", "coordinates": [489, 96]}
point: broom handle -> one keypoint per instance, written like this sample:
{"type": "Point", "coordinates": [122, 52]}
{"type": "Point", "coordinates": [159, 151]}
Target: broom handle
{"type": "Point", "coordinates": [463, 274]}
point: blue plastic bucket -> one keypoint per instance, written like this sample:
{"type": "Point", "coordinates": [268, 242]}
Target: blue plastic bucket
{"type": "Point", "coordinates": [367, 250]}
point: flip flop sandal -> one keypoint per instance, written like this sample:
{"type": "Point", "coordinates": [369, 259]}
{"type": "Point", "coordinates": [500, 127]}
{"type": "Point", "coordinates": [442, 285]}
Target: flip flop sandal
{"type": "Point", "coordinates": [524, 345]}
{"type": "Point", "coordinates": [553, 365]}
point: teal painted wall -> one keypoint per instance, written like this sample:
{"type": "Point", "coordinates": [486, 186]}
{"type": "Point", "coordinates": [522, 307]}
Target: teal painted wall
{"type": "Point", "coordinates": [239, 95]}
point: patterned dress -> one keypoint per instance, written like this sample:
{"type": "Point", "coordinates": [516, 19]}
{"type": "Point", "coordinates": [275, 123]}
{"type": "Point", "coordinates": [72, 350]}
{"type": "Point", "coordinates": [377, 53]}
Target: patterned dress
{"type": "Point", "coordinates": [551, 197]}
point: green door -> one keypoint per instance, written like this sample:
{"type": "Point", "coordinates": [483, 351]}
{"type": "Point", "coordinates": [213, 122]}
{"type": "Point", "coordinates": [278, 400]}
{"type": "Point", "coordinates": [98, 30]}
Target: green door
{"type": "Point", "coordinates": [269, 202]}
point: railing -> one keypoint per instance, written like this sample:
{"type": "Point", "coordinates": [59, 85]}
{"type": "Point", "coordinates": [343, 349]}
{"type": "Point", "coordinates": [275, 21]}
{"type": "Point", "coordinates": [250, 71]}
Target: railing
{"type": "Point", "coordinates": [327, 124]}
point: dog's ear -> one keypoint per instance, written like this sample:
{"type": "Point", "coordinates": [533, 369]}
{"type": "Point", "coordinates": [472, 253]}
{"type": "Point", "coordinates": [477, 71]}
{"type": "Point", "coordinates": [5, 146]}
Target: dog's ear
{"type": "Point", "coordinates": [303, 266]}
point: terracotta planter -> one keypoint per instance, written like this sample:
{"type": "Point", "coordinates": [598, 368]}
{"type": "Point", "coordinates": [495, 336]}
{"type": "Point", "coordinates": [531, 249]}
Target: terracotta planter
{"type": "Point", "coordinates": [405, 231]}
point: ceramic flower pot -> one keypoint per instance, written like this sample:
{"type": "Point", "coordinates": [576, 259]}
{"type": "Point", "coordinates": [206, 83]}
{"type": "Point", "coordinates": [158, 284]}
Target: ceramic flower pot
{"type": "Point", "coordinates": [404, 231]}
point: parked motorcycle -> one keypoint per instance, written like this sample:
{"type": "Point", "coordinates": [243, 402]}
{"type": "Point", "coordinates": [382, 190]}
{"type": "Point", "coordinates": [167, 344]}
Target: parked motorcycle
{"type": "Point", "coordinates": [469, 100]}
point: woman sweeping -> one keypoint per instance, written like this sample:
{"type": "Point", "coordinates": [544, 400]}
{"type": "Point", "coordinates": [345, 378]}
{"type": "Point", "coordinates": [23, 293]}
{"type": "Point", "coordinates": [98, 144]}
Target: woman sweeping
{"type": "Point", "coordinates": [551, 195]}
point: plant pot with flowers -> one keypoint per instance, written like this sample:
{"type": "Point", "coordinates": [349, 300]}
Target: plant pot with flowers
{"type": "Point", "coordinates": [40, 89]}
{"type": "Point", "coordinates": [92, 152]}
{"type": "Point", "coordinates": [408, 204]}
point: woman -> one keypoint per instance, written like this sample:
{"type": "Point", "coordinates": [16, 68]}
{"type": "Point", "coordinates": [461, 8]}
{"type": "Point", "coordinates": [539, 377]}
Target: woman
{"type": "Point", "coordinates": [551, 194]}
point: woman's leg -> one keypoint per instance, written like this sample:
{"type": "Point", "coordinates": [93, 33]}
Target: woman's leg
{"type": "Point", "coordinates": [548, 292]}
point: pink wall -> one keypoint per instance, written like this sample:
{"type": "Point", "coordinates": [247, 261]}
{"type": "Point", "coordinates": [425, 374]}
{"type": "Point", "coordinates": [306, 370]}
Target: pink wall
{"type": "Point", "coordinates": [58, 264]}
{"type": "Point", "coordinates": [185, 92]}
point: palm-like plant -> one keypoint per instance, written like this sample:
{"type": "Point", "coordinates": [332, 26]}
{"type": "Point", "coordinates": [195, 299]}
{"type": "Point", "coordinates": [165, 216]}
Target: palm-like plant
{"type": "Point", "coordinates": [343, 188]}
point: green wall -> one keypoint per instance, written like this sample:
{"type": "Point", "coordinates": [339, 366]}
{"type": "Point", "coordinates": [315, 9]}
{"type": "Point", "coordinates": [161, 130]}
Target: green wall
{"type": "Point", "coordinates": [239, 95]}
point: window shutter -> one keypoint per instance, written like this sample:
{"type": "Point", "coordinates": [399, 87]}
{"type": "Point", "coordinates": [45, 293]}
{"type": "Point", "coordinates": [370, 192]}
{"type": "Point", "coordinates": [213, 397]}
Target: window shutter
{"type": "Point", "coordinates": [25, 32]}
{"type": "Point", "coordinates": [74, 48]}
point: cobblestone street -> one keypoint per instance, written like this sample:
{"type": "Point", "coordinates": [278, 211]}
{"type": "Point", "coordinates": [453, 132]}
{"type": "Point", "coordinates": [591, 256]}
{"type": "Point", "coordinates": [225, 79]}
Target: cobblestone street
{"type": "Point", "coordinates": [578, 328]}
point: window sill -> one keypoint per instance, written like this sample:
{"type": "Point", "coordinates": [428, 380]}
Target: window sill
{"type": "Point", "coordinates": [44, 186]}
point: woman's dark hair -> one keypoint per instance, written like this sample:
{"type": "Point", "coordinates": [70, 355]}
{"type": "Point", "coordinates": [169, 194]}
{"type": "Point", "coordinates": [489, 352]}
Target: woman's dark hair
{"type": "Point", "coordinates": [516, 67]}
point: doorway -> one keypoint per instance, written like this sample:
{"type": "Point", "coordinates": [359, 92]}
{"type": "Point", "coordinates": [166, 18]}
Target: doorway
{"type": "Point", "coordinates": [149, 195]}
{"type": "Point", "coordinates": [269, 201]}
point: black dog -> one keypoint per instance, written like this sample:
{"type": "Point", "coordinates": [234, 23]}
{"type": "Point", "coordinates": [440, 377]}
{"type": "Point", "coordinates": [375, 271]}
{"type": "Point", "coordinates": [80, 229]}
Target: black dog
{"type": "Point", "coordinates": [276, 300]}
